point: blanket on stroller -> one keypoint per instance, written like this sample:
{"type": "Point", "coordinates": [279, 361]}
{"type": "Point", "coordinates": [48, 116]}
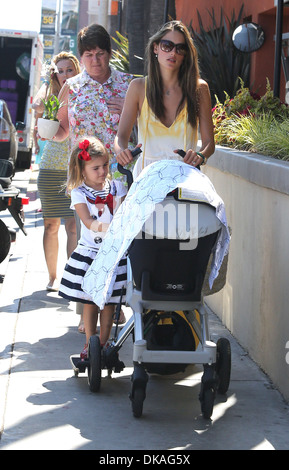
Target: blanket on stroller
{"type": "Point", "coordinates": [150, 188]}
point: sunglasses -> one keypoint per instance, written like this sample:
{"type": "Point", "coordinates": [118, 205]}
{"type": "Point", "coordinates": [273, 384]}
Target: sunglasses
{"type": "Point", "coordinates": [168, 46]}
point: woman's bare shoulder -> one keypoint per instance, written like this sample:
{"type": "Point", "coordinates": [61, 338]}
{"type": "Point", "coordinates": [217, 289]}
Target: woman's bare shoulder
{"type": "Point", "coordinates": [138, 84]}
{"type": "Point", "coordinates": [136, 91]}
{"type": "Point", "coordinates": [138, 81]}
{"type": "Point", "coordinates": [202, 85]}
{"type": "Point", "coordinates": [204, 91]}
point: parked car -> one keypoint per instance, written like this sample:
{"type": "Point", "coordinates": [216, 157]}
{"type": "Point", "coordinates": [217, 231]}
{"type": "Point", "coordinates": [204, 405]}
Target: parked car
{"type": "Point", "coordinates": [8, 142]}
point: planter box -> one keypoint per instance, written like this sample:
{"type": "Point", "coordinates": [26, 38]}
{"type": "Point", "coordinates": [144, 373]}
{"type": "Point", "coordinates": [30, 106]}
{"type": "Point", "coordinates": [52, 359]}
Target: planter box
{"type": "Point", "coordinates": [254, 303]}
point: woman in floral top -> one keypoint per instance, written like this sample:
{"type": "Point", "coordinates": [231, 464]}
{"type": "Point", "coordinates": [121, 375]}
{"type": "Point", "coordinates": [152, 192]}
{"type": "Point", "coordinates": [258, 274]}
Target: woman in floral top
{"type": "Point", "coordinates": [94, 99]}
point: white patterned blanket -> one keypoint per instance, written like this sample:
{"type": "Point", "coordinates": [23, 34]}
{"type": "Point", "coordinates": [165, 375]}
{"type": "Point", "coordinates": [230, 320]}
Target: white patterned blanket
{"type": "Point", "coordinates": [150, 188]}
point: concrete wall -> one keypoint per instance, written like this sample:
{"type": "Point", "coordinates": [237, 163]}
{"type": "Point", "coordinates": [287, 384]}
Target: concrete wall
{"type": "Point", "coordinates": [254, 304]}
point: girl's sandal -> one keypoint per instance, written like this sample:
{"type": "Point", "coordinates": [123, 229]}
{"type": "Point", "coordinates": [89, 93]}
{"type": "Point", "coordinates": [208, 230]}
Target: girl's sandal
{"type": "Point", "coordinates": [84, 352]}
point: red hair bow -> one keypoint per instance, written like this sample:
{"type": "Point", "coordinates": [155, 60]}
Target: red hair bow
{"type": "Point", "coordinates": [84, 155]}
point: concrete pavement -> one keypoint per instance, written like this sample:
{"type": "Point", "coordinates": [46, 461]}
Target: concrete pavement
{"type": "Point", "coordinates": [43, 406]}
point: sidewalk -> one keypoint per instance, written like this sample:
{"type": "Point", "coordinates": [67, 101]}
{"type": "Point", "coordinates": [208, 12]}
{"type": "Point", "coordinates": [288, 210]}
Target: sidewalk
{"type": "Point", "coordinates": [43, 406]}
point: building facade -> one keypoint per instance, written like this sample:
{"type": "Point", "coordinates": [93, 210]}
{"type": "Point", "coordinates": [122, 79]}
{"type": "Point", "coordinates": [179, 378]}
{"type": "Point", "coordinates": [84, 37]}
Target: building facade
{"type": "Point", "coordinates": [262, 12]}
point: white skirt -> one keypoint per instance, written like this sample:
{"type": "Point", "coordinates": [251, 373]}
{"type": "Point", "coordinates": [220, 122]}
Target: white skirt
{"type": "Point", "coordinates": [74, 271]}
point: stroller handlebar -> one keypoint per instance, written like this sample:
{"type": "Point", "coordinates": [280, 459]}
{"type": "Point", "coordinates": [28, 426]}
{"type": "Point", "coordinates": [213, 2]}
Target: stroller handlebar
{"type": "Point", "coordinates": [125, 171]}
{"type": "Point", "coordinates": [128, 173]}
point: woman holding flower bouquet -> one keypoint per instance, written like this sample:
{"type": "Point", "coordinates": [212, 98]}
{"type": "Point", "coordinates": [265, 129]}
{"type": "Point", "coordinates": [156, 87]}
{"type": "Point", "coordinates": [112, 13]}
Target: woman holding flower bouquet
{"type": "Point", "coordinates": [53, 170]}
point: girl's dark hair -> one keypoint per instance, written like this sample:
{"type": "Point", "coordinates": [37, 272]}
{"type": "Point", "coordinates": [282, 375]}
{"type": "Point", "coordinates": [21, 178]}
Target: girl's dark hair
{"type": "Point", "coordinates": [188, 74]}
{"type": "Point", "coordinates": [91, 37]}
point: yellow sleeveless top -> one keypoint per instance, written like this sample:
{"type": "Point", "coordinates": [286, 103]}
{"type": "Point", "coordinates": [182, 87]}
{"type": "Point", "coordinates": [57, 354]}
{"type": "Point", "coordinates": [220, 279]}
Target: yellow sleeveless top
{"type": "Point", "coordinates": [159, 141]}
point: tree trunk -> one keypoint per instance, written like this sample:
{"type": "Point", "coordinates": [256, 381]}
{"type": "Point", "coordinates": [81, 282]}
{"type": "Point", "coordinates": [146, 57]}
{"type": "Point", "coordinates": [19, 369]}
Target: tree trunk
{"type": "Point", "coordinates": [135, 33]}
{"type": "Point", "coordinates": [156, 14]}
{"type": "Point", "coordinates": [143, 19]}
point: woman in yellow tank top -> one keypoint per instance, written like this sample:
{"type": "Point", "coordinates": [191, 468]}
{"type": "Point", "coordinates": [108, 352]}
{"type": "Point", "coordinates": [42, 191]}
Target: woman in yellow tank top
{"type": "Point", "coordinates": [170, 104]}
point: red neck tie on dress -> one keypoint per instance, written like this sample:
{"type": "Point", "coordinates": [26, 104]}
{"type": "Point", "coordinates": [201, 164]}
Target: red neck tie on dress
{"type": "Point", "coordinates": [108, 200]}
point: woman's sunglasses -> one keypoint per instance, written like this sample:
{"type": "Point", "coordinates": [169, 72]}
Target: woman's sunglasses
{"type": "Point", "coordinates": [168, 46]}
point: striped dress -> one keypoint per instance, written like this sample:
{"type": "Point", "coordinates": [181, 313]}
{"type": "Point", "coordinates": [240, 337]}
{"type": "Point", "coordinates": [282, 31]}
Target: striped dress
{"type": "Point", "coordinates": [89, 243]}
{"type": "Point", "coordinates": [52, 179]}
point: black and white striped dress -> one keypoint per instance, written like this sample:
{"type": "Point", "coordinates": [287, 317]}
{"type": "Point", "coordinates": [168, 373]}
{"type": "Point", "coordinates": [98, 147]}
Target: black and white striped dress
{"type": "Point", "coordinates": [89, 242]}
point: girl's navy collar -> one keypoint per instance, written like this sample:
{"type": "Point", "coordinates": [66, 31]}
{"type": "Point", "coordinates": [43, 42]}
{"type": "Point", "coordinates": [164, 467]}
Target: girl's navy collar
{"type": "Point", "coordinates": [110, 187]}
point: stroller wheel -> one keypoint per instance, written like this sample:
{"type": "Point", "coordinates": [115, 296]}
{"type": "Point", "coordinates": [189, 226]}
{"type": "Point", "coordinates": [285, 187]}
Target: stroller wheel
{"type": "Point", "coordinates": [94, 369]}
{"type": "Point", "coordinates": [207, 401]}
{"type": "Point", "coordinates": [137, 401]}
{"type": "Point", "coordinates": [223, 364]}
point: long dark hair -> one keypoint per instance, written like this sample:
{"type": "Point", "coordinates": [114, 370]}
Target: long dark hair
{"type": "Point", "coordinates": [188, 74]}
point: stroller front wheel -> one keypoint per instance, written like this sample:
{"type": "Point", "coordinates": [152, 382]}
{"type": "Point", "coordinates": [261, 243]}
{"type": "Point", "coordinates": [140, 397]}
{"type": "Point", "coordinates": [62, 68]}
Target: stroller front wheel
{"type": "Point", "coordinates": [207, 402]}
{"type": "Point", "coordinates": [94, 369]}
{"type": "Point", "coordinates": [223, 365]}
{"type": "Point", "coordinates": [137, 401]}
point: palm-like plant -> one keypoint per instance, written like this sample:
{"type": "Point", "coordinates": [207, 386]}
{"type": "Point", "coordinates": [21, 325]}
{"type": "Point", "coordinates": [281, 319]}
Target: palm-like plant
{"type": "Point", "coordinates": [120, 56]}
{"type": "Point", "coordinates": [221, 64]}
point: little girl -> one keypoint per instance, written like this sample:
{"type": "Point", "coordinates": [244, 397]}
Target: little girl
{"type": "Point", "coordinates": [95, 199]}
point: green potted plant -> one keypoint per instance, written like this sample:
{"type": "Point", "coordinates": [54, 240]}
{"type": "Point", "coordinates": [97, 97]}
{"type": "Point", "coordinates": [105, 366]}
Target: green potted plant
{"type": "Point", "coordinates": [48, 125]}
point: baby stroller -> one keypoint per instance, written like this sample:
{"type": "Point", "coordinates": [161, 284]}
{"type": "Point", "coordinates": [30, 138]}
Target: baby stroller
{"type": "Point", "coordinates": [166, 271]}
